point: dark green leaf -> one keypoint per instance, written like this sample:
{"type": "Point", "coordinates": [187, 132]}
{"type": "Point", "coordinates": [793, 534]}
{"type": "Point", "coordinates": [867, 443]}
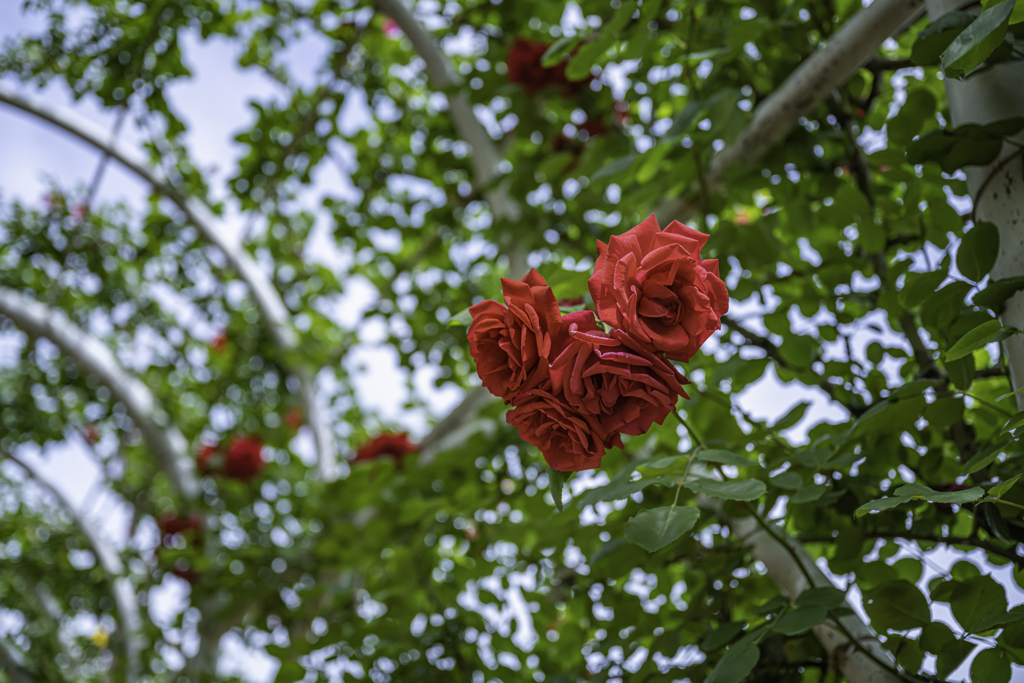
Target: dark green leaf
{"type": "Point", "coordinates": [934, 39]}
{"type": "Point", "coordinates": [800, 620]}
{"type": "Point", "coordinates": [977, 41]}
{"type": "Point", "coordinates": [976, 598]}
{"type": "Point", "coordinates": [808, 494]}
{"type": "Point", "coordinates": [735, 665]}
{"type": "Point", "coordinates": [978, 250]}
{"type": "Point", "coordinates": [992, 665]}
{"type": "Point", "coordinates": [994, 621]}
{"type": "Point", "coordinates": [743, 489]}
{"type": "Point", "coordinates": [822, 596]}
{"type": "Point", "coordinates": [725, 458]}
{"type": "Point", "coordinates": [654, 529]}
{"type": "Point", "coordinates": [897, 605]}
{"type": "Point", "coordinates": [997, 292]}
{"type": "Point", "coordinates": [919, 286]}
{"type": "Point", "coordinates": [1002, 488]}
{"type": "Point", "coordinates": [614, 167]}
{"type": "Point", "coordinates": [721, 636]}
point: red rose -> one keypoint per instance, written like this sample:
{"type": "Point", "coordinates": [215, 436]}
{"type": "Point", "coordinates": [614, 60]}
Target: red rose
{"type": "Point", "coordinates": [512, 346]}
{"type": "Point", "coordinates": [654, 285]}
{"type": "Point", "coordinates": [171, 524]}
{"type": "Point", "coordinates": [395, 445]}
{"type": "Point", "coordinates": [293, 419]}
{"type": "Point", "coordinates": [208, 460]}
{"type": "Point", "coordinates": [593, 128]}
{"type": "Point", "coordinates": [242, 458]}
{"type": "Point", "coordinates": [569, 440]}
{"type": "Point", "coordinates": [525, 69]}
{"type": "Point", "coordinates": [220, 342]}
{"type": "Point", "coordinates": [614, 378]}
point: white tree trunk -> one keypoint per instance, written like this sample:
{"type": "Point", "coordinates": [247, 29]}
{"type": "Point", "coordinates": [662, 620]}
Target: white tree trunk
{"type": "Point", "coordinates": [804, 89]}
{"type": "Point", "coordinates": [268, 299]}
{"type": "Point", "coordinates": [997, 189]}
{"type": "Point", "coordinates": [93, 356]}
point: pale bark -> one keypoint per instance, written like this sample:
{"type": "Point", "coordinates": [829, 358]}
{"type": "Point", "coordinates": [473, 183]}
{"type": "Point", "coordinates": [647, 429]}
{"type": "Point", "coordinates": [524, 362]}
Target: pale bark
{"type": "Point", "coordinates": [792, 580]}
{"type": "Point", "coordinates": [804, 89]}
{"type": "Point", "coordinates": [995, 94]}
{"type": "Point", "coordinates": [92, 356]}
{"type": "Point", "coordinates": [266, 296]}
{"type": "Point", "coordinates": [121, 586]}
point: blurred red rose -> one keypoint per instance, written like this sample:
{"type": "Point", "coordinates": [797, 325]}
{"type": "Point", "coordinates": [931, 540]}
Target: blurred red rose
{"type": "Point", "coordinates": [654, 285]}
{"type": "Point", "coordinates": [171, 523]}
{"type": "Point", "coordinates": [395, 445]}
{"type": "Point", "coordinates": [220, 342]}
{"type": "Point", "coordinates": [293, 419]}
{"type": "Point", "coordinates": [209, 459]}
{"type": "Point", "coordinates": [242, 458]}
{"type": "Point", "coordinates": [512, 346]}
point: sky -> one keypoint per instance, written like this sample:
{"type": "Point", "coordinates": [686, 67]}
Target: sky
{"type": "Point", "coordinates": [214, 103]}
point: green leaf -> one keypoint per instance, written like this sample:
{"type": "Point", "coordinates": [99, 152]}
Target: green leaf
{"type": "Point", "coordinates": [976, 598]}
{"type": "Point", "coordinates": [997, 292]}
{"type": "Point", "coordinates": [821, 596]}
{"type": "Point", "coordinates": [735, 665]}
{"type": "Point", "coordinates": [983, 458]}
{"type": "Point", "coordinates": [290, 671]}
{"type": "Point", "coordinates": [721, 636]}
{"type": "Point", "coordinates": [992, 665]}
{"type": "Point", "coordinates": [919, 286]}
{"type": "Point", "coordinates": [994, 621]}
{"type": "Point", "coordinates": [808, 494]}
{"type": "Point", "coordinates": [614, 167]}
{"type": "Point", "coordinates": [935, 637]}
{"type": "Point", "coordinates": [721, 457]}
{"type": "Point", "coordinates": [588, 55]}
{"type": "Point", "coordinates": [879, 505]}
{"type": "Point", "coordinates": [556, 480]}
{"type": "Point", "coordinates": [961, 372]}
{"type": "Point", "coordinates": [654, 529]}
{"type": "Point", "coordinates": [934, 39]}
{"type": "Point", "coordinates": [743, 489]}
{"type": "Point", "coordinates": [897, 605]}
{"type": "Point", "coordinates": [800, 620]}
{"type": "Point", "coordinates": [978, 251]}
{"type": "Point", "coordinates": [619, 489]}
{"type": "Point", "coordinates": [923, 492]}
{"type": "Point", "coordinates": [557, 51]}
{"type": "Point", "coordinates": [975, 339]}
{"type": "Point", "coordinates": [951, 657]}
{"type": "Point", "coordinates": [461, 319]}
{"type": "Point", "coordinates": [1002, 488]}
{"type": "Point", "coordinates": [792, 417]}
{"type": "Point", "coordinates": [1017, 15]}
{"type": "Point", "coordinates": [977, 41]}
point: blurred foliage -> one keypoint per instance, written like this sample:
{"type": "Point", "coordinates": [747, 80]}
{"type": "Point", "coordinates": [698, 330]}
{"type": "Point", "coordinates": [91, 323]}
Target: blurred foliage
{"type": "Point", "coordinates": [853, 268]}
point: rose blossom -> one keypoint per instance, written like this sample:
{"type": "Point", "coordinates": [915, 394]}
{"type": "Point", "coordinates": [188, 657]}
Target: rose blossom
{"type": "Point", "coordinates": [569, 440]}
{"type": "Point", "coordinates": [395, 445]}
{"type": "Point", "coordinates": [242, 458]}
{"type": "Point", "coordinates": [613, 377]}
{"type": "Point", "coordinates": [512, 345]}
{"type": "Point", "coordinates": [654, 285]}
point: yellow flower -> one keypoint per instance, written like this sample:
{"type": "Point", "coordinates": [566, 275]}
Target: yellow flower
{"type": "Point", "coordinates": [101, 638]}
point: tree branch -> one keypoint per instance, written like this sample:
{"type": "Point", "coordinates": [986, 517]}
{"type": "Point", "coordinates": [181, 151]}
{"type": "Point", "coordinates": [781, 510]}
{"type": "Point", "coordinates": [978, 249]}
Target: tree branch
{"type": "Point", "coordinates": [805, 88]}
{"type": "Point", "coordinates": [110, 561]}
{"type": "Point", "coordinates": [486, 155]}
{"type": "Point", "coordinates": [10, 666]}
{"type": "Point", "coordinates": [266, 296]}
{"type": "Point", "coordinates": [92, 356]}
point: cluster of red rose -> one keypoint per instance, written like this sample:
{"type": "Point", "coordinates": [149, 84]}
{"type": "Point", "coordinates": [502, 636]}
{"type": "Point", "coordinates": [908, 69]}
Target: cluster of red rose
{"type": "Point", "coordinates": [241, 459]}
{"type": "Point", "coordinates": [576, 388]}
